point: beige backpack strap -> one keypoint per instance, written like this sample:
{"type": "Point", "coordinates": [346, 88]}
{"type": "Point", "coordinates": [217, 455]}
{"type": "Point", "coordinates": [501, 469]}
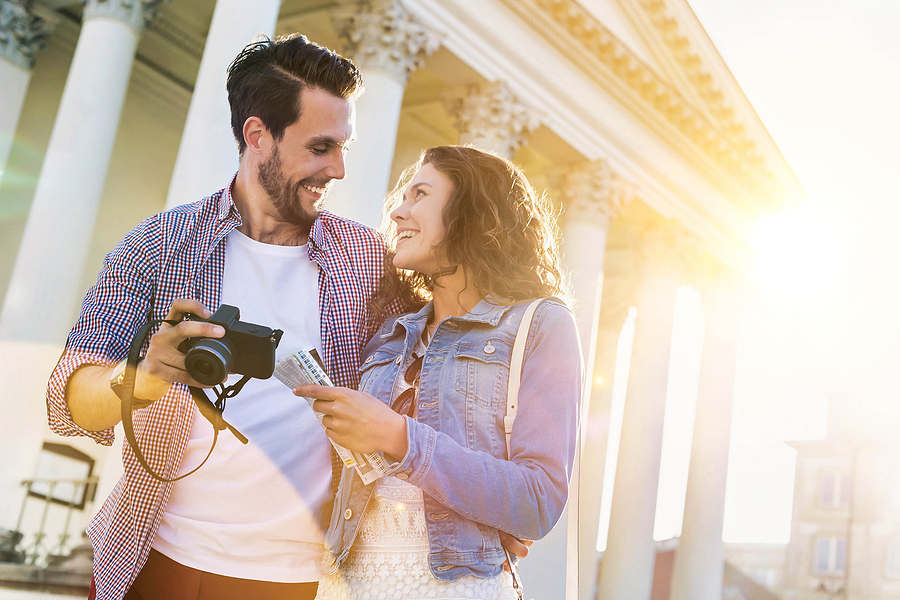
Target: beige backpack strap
{"type": "Point", "coordinates": [515, 371]}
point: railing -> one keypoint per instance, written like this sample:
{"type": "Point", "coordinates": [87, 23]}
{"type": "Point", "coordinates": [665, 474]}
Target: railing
{"type": "Point", "coordinates": [35, 549]}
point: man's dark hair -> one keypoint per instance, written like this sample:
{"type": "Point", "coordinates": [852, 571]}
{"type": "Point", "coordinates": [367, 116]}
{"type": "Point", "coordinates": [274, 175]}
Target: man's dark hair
{"type": "Point", "coordinates": [268, 76]}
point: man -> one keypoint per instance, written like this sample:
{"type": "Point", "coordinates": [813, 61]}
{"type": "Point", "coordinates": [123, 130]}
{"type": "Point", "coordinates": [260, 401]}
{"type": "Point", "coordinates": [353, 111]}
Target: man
{"type": "Point", "coordinates": [249, 523]}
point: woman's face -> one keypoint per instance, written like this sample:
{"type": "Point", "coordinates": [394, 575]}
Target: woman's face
{"type": "Point", "coordinates": [419, 219]}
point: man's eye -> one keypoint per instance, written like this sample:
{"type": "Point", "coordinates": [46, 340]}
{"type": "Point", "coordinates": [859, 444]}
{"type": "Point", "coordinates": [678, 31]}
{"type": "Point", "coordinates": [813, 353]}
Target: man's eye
{"type": "Point", "coordinates": [319, 151]}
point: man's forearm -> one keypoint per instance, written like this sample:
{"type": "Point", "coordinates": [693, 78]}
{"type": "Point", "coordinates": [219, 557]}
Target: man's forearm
{"type": "Point", "coordinates": [91, 402]}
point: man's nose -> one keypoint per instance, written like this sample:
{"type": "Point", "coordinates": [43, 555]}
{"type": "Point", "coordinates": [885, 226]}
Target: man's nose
{"type": "Point", "coordinates": [336, 169]}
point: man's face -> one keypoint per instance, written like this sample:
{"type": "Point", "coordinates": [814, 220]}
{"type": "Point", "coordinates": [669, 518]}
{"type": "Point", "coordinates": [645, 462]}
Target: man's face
{"type": "Point", "coordinates": [300, 168]}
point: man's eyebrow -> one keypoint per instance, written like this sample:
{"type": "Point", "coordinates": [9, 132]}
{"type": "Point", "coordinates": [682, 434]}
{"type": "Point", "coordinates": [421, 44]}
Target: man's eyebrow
{"type": "Point", "coordinates": [327, 139]}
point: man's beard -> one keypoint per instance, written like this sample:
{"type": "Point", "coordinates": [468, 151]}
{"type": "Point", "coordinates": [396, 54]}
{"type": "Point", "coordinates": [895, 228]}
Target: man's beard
{"type": "Point", "coordinates": [285, 193]}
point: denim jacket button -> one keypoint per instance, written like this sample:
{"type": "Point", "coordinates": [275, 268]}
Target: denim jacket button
{"type": "Point", "coordinates": [368, 360]}
{"type": "Point", "coordinates": [489, 349]}
{"type": "Point", "coordinates": [399, 360]}
{"type": "Point", "coordinates": [347, 514]}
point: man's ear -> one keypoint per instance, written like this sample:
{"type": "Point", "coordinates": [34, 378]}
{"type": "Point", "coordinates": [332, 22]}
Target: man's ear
{"type": "Point", "coordinates": [255, 135]}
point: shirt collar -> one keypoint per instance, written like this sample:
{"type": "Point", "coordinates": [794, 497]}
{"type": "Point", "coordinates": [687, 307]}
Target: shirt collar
{"type": "Point", "coordinates": [226, 207]}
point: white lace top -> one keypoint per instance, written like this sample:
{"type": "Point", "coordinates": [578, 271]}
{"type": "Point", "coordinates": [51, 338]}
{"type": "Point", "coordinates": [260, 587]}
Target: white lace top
{"type": "Point", "coordinates": [389, 558]}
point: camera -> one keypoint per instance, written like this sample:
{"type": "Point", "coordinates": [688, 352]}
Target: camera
{"type": "Point", "coordinates": [246, 349]}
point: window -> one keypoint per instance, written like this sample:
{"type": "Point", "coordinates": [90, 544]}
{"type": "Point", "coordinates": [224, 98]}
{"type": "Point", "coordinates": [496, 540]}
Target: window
{"type": "Point", "coordinates": [831, 555]}
{"type": "Point", "coordinates": [893, 558]}
{"type": "Point", "coordinates": [835, 488]}
{"type": "Point", "coordinates": [63, 476]}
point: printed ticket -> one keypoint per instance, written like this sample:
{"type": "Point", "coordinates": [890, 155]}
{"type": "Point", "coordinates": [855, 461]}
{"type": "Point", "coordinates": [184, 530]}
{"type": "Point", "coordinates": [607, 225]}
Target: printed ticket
{"type": "Point", "coordinates": [305, 368]}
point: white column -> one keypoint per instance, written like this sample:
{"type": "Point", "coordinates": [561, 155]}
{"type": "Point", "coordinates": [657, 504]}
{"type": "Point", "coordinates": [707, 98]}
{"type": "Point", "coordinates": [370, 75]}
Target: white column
{"type": "Point", "coordinates": [23, 31]}
{"type": "Point", "coordinates": [591, 195]}
{"type": "Point", "coordinates": [55, 242]}
{"type": "Point", "coordinates": [627, 567]}
{"type": "Point", "coordinates": [388, 44]}
{"type": "Point", "coordinates": [490, 117]}
{"type": "Point", "coordinates": [700, 557]}
{"type": "Point", "coordinates": [208, 155]}
{"type": "Point", "coordinates": [43, 291]}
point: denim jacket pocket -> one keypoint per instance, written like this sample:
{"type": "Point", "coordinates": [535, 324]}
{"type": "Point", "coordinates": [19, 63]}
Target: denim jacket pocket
{"type": "Point", "coordinates": [482, 374]}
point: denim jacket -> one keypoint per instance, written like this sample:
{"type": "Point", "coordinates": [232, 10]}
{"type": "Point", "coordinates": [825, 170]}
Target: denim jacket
{"type": "Point", "coordinates": [456, 444]}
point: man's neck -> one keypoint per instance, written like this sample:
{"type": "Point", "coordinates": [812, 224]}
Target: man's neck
{"type": "Point", "coordinates": [259, 220]}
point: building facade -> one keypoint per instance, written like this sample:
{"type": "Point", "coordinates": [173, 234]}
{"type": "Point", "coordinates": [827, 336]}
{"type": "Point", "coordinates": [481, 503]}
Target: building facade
{"type": "Point", "coordinates": [845, 528]}
{"type": "Point", "coordinates": [622, 110]}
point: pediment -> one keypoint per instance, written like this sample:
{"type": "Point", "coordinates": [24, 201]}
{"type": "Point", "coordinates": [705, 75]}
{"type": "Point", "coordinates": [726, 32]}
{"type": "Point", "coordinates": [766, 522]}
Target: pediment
{"type": "Point", "coordinates": [655, 56]}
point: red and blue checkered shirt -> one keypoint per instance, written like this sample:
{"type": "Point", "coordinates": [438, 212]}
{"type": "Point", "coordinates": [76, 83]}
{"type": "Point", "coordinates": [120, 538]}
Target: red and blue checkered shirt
{"type": "Point", "coordinates": [180, 253]}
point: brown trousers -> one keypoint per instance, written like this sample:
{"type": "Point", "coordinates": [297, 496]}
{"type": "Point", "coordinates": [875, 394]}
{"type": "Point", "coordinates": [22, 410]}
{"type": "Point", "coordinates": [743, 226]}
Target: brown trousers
{"type": "Point", "coordinates": [164, 579]}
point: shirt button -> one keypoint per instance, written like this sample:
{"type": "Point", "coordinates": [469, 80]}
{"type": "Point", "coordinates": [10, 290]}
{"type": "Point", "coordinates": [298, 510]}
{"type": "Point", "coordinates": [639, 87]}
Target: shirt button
{"type": "Point", "coordinates": [403, 476]}
{"type": "Point", "coordinates": [489, 349]}
{"type": "Point", "coordinates": [347, 514]}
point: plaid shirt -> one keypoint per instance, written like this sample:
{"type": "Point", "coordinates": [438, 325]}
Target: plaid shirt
{"type": "Point", "coordinates": [180, 253]}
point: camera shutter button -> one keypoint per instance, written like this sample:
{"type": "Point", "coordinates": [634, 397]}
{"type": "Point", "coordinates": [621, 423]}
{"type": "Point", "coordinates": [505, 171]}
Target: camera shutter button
{"type": "Point", "coordinates": [254, 329]}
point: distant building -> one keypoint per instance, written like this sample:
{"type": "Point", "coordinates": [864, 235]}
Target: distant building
{"type": "Point", "coordinates": [845, 527]}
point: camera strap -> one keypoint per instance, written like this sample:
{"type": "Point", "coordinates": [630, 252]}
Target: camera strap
{"type": "Point", "coordinates": [211, 412]}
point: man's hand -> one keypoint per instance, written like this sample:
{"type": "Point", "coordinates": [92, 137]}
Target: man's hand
{"type": "Point", "coordinates": [164, 363]}
{"type": "Point", "coordinates": [358, 421]}
{"type": "Point", "coordinates": [93, 404]}
{"type": "Point", "coordinates": [515, 546]}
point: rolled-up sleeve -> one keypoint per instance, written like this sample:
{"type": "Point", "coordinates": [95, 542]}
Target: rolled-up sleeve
{"type": "Point", "coordinates": [115, 306]}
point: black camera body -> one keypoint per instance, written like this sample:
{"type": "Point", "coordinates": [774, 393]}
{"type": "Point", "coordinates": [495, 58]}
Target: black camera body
{"type": "Point", "coordinates": [246, 349]}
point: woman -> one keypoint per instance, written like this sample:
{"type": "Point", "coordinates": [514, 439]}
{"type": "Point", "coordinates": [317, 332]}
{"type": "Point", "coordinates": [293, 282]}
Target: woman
{"type": "Point", "coordinates": [474, 240]}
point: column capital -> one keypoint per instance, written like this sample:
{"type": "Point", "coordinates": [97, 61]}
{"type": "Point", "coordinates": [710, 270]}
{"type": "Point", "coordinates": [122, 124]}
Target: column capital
{"type": "Point", "coordinates": [24, 30]}
{"type": "Point", "coordinates": [136, 13]}
{"type": "Point", "coordinates": [384, 35]}
{"type": "Point", "coordinates": [490, 116]}
{"type": "Point", "coordinates": [591, 192]}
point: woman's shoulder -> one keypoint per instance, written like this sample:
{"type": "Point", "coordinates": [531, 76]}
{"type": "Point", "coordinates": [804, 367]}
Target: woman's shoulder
{"type": "Point", "coordinates": [554, 315]}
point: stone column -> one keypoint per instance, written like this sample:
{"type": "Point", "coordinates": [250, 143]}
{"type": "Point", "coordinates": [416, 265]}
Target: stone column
{"type": "Point", "coordinates": [700, 557]}
{"type": "Point", "coordinates": [43, 293]}
{"type": "Point", "coordinates": [591, 194]}
{"type": "Point", "coordinates": [207, 156]}
{"type": "Point", "coordinates": [388, 43]}
{"type": "Point", "coordinates": [45, 278]}
{"type": "Point", "coordinates": [24, 29]}
{"type": "Point", "coordinates": [490, 117]}
{"type": "Point", "coordinates": [627, 567]}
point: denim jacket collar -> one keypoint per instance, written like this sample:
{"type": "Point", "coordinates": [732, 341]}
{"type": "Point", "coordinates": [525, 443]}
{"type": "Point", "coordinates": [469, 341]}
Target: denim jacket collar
{"type": "Point", "coordinates": [488, 311]}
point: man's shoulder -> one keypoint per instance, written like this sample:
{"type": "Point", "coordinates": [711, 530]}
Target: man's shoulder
{"type": "Point", "coordinates": [333, 232]}
{"type": "Point", "coordinates": [333, 223]}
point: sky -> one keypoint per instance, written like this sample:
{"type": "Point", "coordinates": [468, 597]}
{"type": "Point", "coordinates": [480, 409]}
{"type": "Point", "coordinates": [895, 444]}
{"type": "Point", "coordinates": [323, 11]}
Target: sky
{"type": "Point", "coordinates": [824, 78]}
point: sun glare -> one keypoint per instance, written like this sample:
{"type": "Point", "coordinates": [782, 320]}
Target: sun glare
{"type": "Point", "coordinates": [807, 257]}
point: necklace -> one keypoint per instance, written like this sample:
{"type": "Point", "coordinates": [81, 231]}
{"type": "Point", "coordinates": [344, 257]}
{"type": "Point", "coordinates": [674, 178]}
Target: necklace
{"type": "Point", "coordinates": [429, 331]}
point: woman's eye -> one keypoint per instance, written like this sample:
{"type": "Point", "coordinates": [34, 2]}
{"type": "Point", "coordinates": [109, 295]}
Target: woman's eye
{"type": "Point", "coordinates": [420, 192]}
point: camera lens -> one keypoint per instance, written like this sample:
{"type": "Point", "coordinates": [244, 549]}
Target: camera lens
{"type": "Point", "coordinates": [209, 361]}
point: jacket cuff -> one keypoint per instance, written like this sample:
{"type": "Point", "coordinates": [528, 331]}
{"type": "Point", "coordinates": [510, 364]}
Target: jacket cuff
{"type": "Point", "coordinates": [420, 440]}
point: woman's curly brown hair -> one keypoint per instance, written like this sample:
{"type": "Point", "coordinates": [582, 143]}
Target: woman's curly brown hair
{"type": "Point", "coordinates": [498, 229]}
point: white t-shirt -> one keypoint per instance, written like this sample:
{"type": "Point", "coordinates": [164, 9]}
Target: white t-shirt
{"type": "Point", "coordinates": [258, 511]}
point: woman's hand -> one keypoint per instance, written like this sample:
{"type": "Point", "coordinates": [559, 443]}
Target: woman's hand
{"type": "Point", "coordinates": [358, 421]}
